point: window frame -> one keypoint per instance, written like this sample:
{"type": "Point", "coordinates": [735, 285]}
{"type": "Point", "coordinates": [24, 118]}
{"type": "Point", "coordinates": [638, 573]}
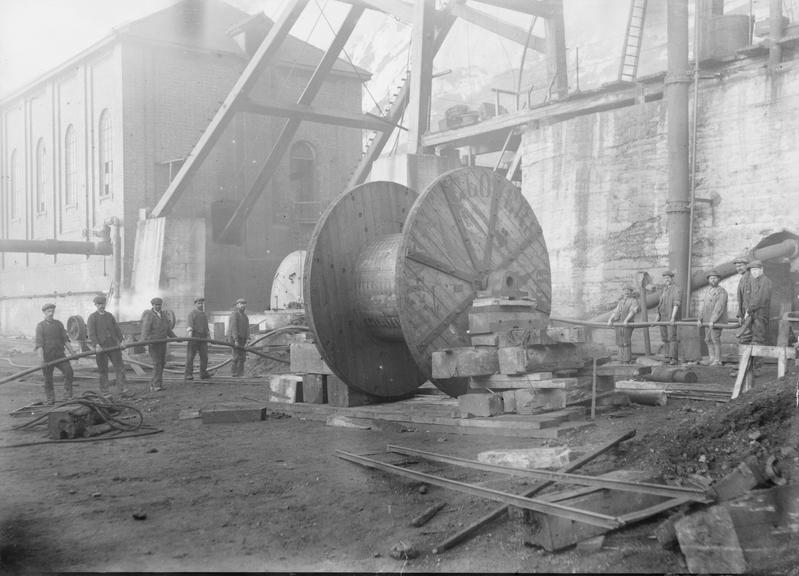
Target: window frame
{"type": "Point", "coordinates": [105, 155]}
{"type": "Point", "coordinates": [13, 188]}
{"type": "Point", "coordinates": [40, 190]}
{"type": "Point", "coordinates": [70, 167]}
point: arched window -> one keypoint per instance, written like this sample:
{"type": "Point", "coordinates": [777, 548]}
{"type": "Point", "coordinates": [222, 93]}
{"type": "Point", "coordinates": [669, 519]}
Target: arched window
{"type": "Point", "coordinates": [106, 167]}
{"type": "Point", "coordinates": [14, 185]}
{"type": "Point", "coordinates": [302, 172]}
{"type": "Point", "coordinates": [70, 168]}
{"type": "Point", "coordinates": [41, 176]}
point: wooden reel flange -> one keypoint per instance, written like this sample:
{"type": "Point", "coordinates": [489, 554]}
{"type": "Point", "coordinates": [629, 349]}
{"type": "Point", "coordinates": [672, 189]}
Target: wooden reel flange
{"type": "Point", "coordinates": [389, 278]}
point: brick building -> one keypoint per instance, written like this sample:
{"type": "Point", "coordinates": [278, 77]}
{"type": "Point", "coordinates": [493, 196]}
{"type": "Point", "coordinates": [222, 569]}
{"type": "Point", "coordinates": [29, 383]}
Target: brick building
{"type": "Point", "coordinates": [98, 139]}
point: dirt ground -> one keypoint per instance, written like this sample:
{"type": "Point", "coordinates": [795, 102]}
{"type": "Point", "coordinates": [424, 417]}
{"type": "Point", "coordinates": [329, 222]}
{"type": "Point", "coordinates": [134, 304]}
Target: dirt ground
{"type": "Point", "coordinates": [273, 495]}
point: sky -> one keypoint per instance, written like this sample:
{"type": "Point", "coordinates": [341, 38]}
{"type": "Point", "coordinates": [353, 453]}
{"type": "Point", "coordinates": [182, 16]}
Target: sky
{"type": "Point", "coordinates": [38, 35]}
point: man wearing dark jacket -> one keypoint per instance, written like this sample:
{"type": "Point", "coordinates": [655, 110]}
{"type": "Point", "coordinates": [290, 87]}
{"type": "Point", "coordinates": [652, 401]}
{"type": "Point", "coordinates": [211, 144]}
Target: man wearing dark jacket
{"type": "Point", "coordinates": [756, 304]}
{"type": "Point", "coordinates": [238, 333]}
{"type": "Point", "coordinates": [155, 326]}
{"type": "Point", "coordinates": [741, 263]}
{"type": "Point", "coordinates": [669, 311]}
{"type": "Point", "coordinates": [197, 327]}
{"type": "Point", "coordinates": [51, 338]}
{"type": "Point", "coordinates": [104, 333]}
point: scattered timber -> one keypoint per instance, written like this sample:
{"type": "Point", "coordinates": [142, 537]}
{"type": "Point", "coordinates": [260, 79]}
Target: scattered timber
{"type": "Point", "coordinates": [665, 374]}
{"type": "Point", "coordinates": [427, 515]}
{"type": "Point", "coordinates": [555, 533]}
{"type": "Point", "coordinates": [694, 494]}
{"type": "Point", "coordinates": [468, 531]}
{"type": "Point", "coordinates": [709, 542]}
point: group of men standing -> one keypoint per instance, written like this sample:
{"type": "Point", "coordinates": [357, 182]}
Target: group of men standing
{"type": "Point", "coordinates": [105, 337]}
{"type": "Point", "coordinates": [754, 300]}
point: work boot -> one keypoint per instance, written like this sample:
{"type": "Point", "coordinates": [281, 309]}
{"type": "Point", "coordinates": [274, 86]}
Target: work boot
{"type": "Point", "coordinates": [627, 354]}
{"type": "Point", "coordinates": [673, 353]}
{"type": "Point", "coordinates": [711, 357]}
{"type": "Point", "coordinates": [717, 349]}
{"type": "Point", "coordinates": [49, 395]}
{"type": "Point", "coordinates": [103, 384]}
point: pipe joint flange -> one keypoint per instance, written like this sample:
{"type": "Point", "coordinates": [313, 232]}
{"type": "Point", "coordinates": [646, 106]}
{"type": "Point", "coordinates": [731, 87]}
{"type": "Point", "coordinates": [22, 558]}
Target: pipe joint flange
{"type": "Point", "coordinates": [677, 206]}
{"type": "Point", "coordinates": [685, 78]}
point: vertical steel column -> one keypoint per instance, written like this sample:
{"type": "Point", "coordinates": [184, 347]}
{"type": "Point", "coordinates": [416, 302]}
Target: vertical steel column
{"type": "Point", "coordinates": [774, 33]}
{"type": "Point", "coordinates": [699, 22]}
{"type": "Point", "coordinates": [556, 50]}
{"type": "Point", "coordinates": [677, 81]}
{"type": "Point", "coordinates": [422, 53]}
{"type": "Point", "coordinates": [116, 247]}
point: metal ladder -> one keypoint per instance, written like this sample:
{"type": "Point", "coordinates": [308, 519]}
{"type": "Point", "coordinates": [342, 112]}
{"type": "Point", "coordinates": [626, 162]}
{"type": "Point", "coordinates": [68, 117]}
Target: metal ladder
{"type": "Point", "coordinates": [632, 41]}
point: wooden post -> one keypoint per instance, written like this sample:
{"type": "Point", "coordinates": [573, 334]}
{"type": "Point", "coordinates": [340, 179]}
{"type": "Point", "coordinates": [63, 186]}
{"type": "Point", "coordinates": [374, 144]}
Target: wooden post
{"type": "Point", "coordinates": [593, 391]}
{"type": "Point", "coordinates": [743, 368]}
{"type": "Point", "coordinates": [422, 53]}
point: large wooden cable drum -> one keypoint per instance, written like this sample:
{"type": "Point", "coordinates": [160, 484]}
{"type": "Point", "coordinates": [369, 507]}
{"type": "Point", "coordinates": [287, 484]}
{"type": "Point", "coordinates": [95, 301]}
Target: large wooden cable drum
{"type": "Point", "coordinates": [390, 278]}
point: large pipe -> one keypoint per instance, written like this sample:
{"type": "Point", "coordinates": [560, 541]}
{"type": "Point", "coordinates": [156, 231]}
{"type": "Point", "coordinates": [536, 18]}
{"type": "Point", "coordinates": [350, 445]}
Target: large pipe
{"type": "Point", "coordinates": [102, 248]}
{"type": "Point", "coordinates": [774, 33]}
{"type": "Point", "coordinates": [116, 246]}
{"type": "Point", "coordinates": [676, 87]}
{"type": "Point", "coordinates": [785, 249]}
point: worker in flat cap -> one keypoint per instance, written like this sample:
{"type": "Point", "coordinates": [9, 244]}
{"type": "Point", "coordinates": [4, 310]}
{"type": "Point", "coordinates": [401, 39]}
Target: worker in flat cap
{"type": "Point", "coordinates": [741, 263]}
{"type": "Point", "coordinates": [756, 304]}
{"type": "Point", "coordinates": [668, 310]}
{"type": "Point", "coordinates": [238, 334]}
{"type": "Point", "coordinates": [155, 325]}
{"type": "Point", "coordinates": [104, 333]}
{"type": "Point", "coordinates": [626, 309]}
{"type": "Point", "coordinates": [713, 313]}
{"type": "Point", "coordinates": [197, 327]}
{"type": "Point", "coordinates": [51, 339]}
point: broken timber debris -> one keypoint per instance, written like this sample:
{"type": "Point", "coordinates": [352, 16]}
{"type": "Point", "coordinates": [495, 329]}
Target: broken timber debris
{"type": "Point", "coordinates": [427, 515]}
{"type": "Point", "coordinates": [693, 494]}
{"type": "Point", "coordinates": [709, 542]}
{"type": "Point", "coordinates": [520, 501]}
{"type": "Point", "coordinates": [665, 374]}
{"type": "Point", "coordinates": [555, 533]}
{"type": "Point", "coordinates": [467, 532]}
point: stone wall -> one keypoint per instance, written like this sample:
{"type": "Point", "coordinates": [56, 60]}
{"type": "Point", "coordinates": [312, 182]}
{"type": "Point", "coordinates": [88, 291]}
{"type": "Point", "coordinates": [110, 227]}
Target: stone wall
{"type": "Point", "coordinates": [598, 184]}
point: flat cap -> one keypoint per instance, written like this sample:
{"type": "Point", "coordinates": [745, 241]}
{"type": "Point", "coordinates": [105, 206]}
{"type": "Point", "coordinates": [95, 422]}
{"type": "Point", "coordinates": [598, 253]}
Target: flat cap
{"type": "Point", "coordinates": [628, 287]}
{"type": "Point", "coordinates": [100, 299]}
{"type": "Point", "coordinates": [741, 260]}
{"type": "Point", "coordinates": [241, 301]}
{"type": "Point", "coordinates": [713, 273]}
{"type": "Point", "coordinates": [668, 273]}
{"type": "Point", "coordinates": [199, 299]}
{"type": "Point", "coordinates": [156, 301]}
{"type": "Point", "coordinates": [48, 306]}
{"type": "Point", "coordinates": [755, 264]}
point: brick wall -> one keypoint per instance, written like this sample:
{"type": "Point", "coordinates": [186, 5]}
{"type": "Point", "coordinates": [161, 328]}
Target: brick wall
{"type": "Point", "coordinates": [159, 100]}
{"type": "Point", "coordinates": [75, 98]}
{"type": "Point", "coordinates": [173, 94]}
